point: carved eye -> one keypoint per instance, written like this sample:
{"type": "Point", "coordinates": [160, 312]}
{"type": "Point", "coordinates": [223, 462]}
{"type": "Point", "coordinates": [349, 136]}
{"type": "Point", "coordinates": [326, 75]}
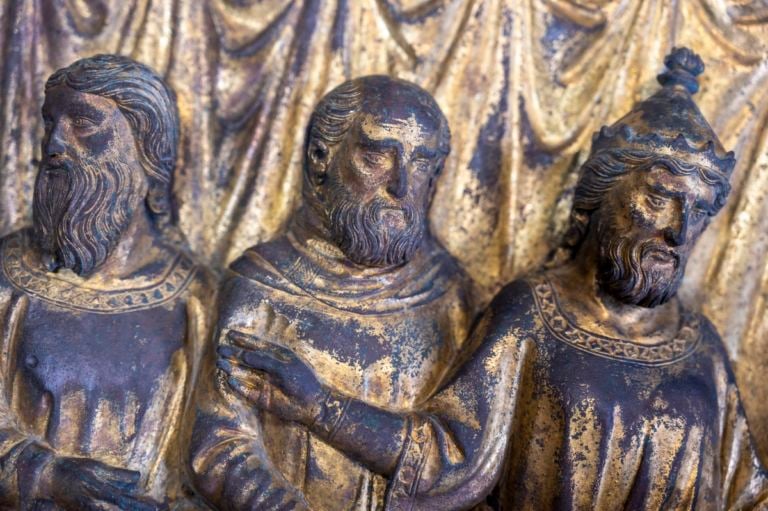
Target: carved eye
{"type": "Point", "coordinates": [697, 214]}
{"type": "Point", "coordinates": [375, 159]}
{"type": "Point", "coordinates": [656, 202]}
{"type": "Point", "coordinates": [422, 164]}
{"type": "Point", "coordinates": [83, 122]}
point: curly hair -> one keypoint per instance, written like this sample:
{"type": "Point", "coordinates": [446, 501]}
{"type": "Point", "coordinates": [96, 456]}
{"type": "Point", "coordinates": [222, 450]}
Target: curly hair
{"type": "Point", "coordinates": [600, 173]}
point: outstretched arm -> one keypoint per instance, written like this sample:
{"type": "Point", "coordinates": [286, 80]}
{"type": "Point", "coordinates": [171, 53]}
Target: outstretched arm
{"type": "Point", "coordinates": [448, 457]}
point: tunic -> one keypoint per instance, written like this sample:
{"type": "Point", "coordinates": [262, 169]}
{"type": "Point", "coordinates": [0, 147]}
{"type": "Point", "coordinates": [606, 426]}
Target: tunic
{"type": "Point", "coordinates": [104, 374]}
{"type": "Point", "coordinates": [386, 337]}
{"type": "Point", "coordinates": [558, 417]}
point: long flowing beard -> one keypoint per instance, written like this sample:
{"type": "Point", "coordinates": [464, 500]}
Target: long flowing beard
{"type": "Point", "coordinates": [81, 211]}
{"type": "Point", "coordinates": [626, 272]}
{"type": "Point", "coordinates": [360, 232]}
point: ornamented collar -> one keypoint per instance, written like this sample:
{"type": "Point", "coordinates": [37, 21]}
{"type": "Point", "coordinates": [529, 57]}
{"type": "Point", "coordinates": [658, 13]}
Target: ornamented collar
{"type": "Point", "coordinates": [53, 289]}
{"type": "Point", "coordinates": [663, 353]}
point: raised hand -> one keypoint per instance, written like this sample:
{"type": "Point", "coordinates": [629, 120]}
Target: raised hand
{"type": "Point", "coordinates": [86, 484]}
{"type": "Point", "coordinates": [271, 377]}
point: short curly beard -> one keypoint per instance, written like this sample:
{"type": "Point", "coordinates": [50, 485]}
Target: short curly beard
{"type": "Point", "coordinates": [623, 274]}
{"type": "Point", "coordinates": [81, 209]}
{"type": "Point", "coordinates": [358, 230]}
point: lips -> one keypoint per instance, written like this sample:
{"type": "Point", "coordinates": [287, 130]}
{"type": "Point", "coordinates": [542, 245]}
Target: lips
{"type": "Point", "coordinates": [56, 168]}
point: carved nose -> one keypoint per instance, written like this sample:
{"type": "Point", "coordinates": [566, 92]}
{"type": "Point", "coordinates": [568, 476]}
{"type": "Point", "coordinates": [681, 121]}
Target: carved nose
{"type": "Point", "coordinates": [678, 235]}
{"type": "Point", "coordinates": [55, 144]}
{"type": "Point", "coordinates": [398, 185]}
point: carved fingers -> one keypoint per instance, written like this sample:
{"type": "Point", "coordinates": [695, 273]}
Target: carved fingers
{"type": "Point", "coordinates": [272, 379]}
{"type": "Point", "coordinates": [252, 385]}
{"type": "Point", "coordinates": [91, 485]}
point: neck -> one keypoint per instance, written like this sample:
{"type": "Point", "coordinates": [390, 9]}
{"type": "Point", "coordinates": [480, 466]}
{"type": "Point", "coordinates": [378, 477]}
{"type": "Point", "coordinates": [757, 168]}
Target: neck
{"type": "Point", "coordinates": [138, 246]}
{"type": "Point", "coordinates": [593, 309]}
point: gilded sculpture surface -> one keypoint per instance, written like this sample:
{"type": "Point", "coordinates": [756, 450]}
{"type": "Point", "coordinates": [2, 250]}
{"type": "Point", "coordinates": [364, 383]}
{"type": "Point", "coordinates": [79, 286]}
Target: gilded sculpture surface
{"type": "Point", "coordinates": [376, 395]}
{"type": "Point", "coordinates": [104, 313]}
{"type": "Point", "coordinates": [357, 285]}
{"type": "Point", "coordinates": [591, 385]}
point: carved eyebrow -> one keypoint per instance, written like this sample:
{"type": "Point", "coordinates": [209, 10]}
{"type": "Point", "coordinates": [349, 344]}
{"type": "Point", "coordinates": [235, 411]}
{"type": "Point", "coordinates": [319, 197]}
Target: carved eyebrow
{"type": "Point", "coordinates": [375, 144]}
{"type": "Point", "coordinates": [78, 108]}
{"type": "Point", "coordinates": [424, 152]}
{"type": "Point", "coordinates": [661, 190]}
{"type": "Point", "coordinates": [704, 205]}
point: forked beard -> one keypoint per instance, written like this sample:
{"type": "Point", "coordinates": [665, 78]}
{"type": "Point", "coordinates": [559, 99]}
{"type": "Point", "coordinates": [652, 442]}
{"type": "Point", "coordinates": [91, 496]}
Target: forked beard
{"type": "Point", "coordinates": [357, 228]}
{"type": "Point", "coordinates": [80, 213]}
{"type": "Point", "coordinates": [625, 272]}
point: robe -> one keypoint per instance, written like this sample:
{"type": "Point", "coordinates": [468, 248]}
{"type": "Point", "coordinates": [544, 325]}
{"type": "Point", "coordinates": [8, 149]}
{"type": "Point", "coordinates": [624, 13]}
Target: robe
{"type": "Point", "coordinates": [557, 417]}
{"type": "Point", "coordinates": [99, 373]}
{"type": "Point", "coordinates": [387, 337]}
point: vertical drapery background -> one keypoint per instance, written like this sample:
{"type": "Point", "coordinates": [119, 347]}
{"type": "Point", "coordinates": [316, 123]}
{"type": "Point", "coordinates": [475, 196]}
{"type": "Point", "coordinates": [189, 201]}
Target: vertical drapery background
{"type": "Point", "coordinates": [524, 84]}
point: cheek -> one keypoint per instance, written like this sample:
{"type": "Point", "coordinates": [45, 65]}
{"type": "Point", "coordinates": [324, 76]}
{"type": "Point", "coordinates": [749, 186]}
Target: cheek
{"type": "Point", "coordinates": [642, 216]}
{"type": "Point", "coordinates": [639, 217]}
{"type": "Point", "coordinates": [696, 232]}
{"type": "Point", "coordinates": [423, 189]}
{"type": "Point", "coordinates": [96, 144]}
{"type": "Point", "coordinates": [352, 177]}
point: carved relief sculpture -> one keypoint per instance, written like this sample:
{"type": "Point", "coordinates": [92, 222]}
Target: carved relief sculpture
{"type": "Point", "coordinates": [357, 287]}
{"type": "Point", "coordinates": [593, 386]}
{"type": "Point", "coordinates": [103, 314]}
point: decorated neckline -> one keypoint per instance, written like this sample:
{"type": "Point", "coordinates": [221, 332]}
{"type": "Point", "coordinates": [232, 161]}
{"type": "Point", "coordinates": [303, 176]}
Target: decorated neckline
{"type": "Point", "coordinates": [662, 353]}
{"type": "Point", "coordinates": [69, 295]}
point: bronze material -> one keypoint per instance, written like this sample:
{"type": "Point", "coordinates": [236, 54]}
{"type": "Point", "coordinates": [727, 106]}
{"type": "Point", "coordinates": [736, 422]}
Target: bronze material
{"type": "Point", "coordinates": [357, 287]}
{"type": "Point", "coordinates": [104, 312]}
{"type": "Point", "coordinates": [523, 83]}
{"type": "Point", "coordinates": [593, 386]}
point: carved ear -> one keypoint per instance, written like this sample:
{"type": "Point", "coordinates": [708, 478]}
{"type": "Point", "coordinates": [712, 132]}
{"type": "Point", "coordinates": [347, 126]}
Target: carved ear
{"type": "Point", "coordinates": [318, 156]}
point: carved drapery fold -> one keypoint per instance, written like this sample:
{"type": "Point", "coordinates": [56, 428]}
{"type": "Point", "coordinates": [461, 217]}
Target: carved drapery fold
{"type": "Point", "coordinates": [523, 83]}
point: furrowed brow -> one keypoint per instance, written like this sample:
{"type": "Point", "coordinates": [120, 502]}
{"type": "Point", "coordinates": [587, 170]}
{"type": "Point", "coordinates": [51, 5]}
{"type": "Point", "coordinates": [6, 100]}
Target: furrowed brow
{"type": "Point", "coordinates": [375, 144]}
{"type": "Point", "coordinates": [661, 190]}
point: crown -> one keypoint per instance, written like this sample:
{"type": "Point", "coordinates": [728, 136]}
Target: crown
{"type": "Point", "coordinates": [669, 123]}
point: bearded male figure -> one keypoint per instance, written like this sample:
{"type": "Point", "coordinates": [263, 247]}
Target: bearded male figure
{"type": "Point", "coordinates": [593, 387]}
{"type": "Point", "coordinates": [357, 287]}
{"type": "Point", "coordinates": [102, 310]}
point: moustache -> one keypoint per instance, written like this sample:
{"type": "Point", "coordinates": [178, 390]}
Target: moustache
{"type": "Point", "coordinates": [57, 164]}
{"type": "Point", "coordinates": [660, 252]}
{"type": "Point", "coordinates": [358, 230]}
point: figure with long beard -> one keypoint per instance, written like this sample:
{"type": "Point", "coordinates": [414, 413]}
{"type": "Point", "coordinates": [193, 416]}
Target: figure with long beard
{"type": "Point", "coordinates": [357, 287]}
{"type": "Point", "coordinates": [593, 387]}
{"type": "Point", "coordinates": [103, 312]}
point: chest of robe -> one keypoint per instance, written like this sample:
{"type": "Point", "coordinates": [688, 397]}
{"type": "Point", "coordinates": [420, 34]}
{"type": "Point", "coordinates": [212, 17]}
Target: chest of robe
{"type": "Point", "coordinates": [78, 372]}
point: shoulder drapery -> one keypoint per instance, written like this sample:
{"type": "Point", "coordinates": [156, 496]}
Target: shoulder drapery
{"type": "Point", "coordinates": [523, 84]}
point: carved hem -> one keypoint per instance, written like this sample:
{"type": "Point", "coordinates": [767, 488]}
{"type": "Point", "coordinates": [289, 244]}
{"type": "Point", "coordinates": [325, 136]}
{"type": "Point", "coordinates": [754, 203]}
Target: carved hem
{"type": "Point", "coordinates": [68, 295]}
